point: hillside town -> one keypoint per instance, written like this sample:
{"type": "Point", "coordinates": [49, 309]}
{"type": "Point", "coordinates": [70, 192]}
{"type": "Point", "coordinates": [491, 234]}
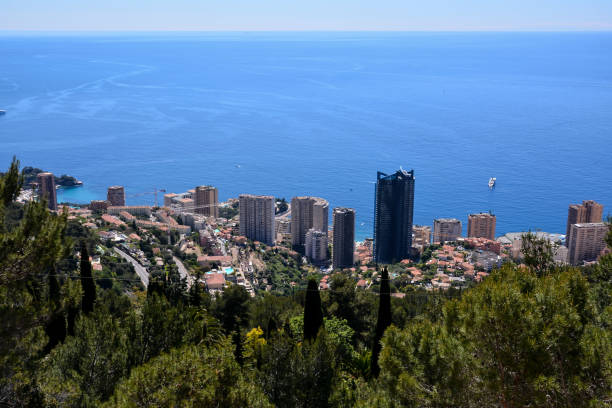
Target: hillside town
{"type": "Point", "coordinates": [266, 244]}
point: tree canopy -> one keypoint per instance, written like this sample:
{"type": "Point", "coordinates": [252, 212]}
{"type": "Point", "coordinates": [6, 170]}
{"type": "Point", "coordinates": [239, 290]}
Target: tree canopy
{"type": "Point", "coordinates": [534, 335]}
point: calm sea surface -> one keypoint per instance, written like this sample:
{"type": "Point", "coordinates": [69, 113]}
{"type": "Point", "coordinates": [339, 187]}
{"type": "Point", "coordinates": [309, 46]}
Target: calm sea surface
{"type": "Point", "coordinates": [319, 113]}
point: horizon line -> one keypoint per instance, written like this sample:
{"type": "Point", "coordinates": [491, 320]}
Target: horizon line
{"type": "Point", "coordinates": [195, 31]}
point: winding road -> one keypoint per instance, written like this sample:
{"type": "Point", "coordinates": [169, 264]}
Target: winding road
{"type": "Point", "coordinates": [183, 271]}
{"type": "Point", "coordinates": [141, 271]}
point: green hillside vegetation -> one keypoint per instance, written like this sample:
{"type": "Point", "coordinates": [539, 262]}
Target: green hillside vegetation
{"type": "Point", "coordinates": [534, 336]}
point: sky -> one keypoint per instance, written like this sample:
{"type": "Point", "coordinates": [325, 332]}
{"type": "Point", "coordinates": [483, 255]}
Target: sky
{"type": "Point", "coordinates": [289, 15]}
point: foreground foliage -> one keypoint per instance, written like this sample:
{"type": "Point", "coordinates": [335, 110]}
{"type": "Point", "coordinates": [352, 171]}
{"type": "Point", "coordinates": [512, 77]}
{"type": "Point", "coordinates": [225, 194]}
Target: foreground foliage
{"type": "Point", "coordinates": [190, 376]}
{"type": "Point", "coordinates": [527, 336]}
{"type": "Point", "coordinates": [515, 340]}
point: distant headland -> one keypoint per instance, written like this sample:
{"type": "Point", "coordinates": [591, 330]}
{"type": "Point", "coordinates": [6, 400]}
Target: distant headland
{"type": "Point", "coordinates": [30, 173]}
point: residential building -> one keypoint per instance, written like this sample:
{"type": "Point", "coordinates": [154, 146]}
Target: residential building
{"type": "Point", "coordinates": [257, 218]}
{"type": "Point", "coordinates": [316, 246]}
{"type": "Point", "coordinates": [206, 239]}
{"type": "Point", "coordinates": [394, 206]}
{"type": "Point", "coordinates": [560, 254]}
{"type": "Point", "coordinates": [126, 216]}
{"type": "Point", "coordinates": [195, 221]}
{"type": "Point", "coordinates": [137, 210]}
{"type": "Point", "coordinates": [98, 205]}
{"type": "Point", "coordinates": [215, 281]}
{"type": "Point", "coordinates": [484, 244]}
{"type": "Point", "coordinates": [369, 244]}
{"type": "Point", "coordinates": [283, 227]}
{"type": "Point", "coordinates": [421, 235]}
{"type": "Point", "coordinates": [116, 196]}
{"type": "Point", "coordinates": [343, 248]}
{"type": "Point", "coordinates": [112, 220]}
{"type": "Point", "coordinates": [363, 251]}
{"type": "Point", "coordinates": [165, 216]}
{"type": "Point", "coordinates": [586, 241]}
{"type": "Point", "coordinates": [307, 213]}
{"type": "Point", "coordinates": [46, 189]}
{"type": "Point", "coordinates": [182, 229]}
{"type": "Point", "coordinates": [446, 229]}
{"type": "Point", "coordinates": [169, 199]}
{"type": "Point", "coordinates": [481, 226]}
{"type": "Point", "coordinates": [185, 204]}
{"type": "Point", "coordinates": [206, 200]}
{"type": "Point", "coordinates": [78, 212]}
{"type": "Point", "coordinates": [182, 202]}
{"type": "Point", "coordinates": [487, 260]}
{"type": "Point", "coordinates": [589, 212]}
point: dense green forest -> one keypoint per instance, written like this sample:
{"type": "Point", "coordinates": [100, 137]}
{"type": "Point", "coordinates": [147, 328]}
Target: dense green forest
{"type": "Point", "coordinates": [532, 336]}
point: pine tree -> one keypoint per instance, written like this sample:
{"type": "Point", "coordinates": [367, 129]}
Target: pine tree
{"type": "Point", "coordinates": [87, 281]}
{"type": "Point", "coordinates": [32, 241]}
{"type": "Point", "coordinates": [384, 319]}
{"type": "Point", "coordinates": [313, 316]}
{"type": "Point", "coordinates": [537, 253]}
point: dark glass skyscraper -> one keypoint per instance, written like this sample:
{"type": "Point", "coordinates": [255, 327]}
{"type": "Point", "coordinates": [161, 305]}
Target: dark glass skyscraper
{"type": "Point", "coordinates": [393, 216]}
{"type": "Point", "coordinates": [343, 249]}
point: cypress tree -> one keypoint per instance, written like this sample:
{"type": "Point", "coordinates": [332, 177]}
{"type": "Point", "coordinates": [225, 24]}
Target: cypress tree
{"type": "Point", "coordinates": [313, 316]}
{"type": "Point", "coordinates": [56, 326]}
{"type": "Point", "coordinates": [271, 328]}
{"type": "Point", "coordinates": [87, 282]}
{"type": "Point", "coordinates": [71, 315]}
{"type": "Point", "coordinates": [384, 319]}
{"type": "Point", "coordinates": [194, 294]}
{"type": "Point", "coordinates": [55, 330]}
{"type": "Point", "coordinates": [239, 350]}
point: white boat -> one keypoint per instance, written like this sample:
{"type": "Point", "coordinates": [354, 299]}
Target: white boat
{"type": "Point", "coordinates": [492, 181]}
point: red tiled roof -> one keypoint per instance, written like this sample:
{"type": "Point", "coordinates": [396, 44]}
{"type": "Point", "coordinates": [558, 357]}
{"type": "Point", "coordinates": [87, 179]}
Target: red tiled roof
{"type": "Point", "coordinates": [215, 279]}
{"type": "Point", "coordinates": [215, 258]}
{"type": "Point", "coordinates": [112, 220]}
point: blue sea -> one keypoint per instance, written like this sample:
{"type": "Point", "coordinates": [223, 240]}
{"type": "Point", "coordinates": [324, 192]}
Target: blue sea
{"type": "Point", "coordinates": [319, 114]}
